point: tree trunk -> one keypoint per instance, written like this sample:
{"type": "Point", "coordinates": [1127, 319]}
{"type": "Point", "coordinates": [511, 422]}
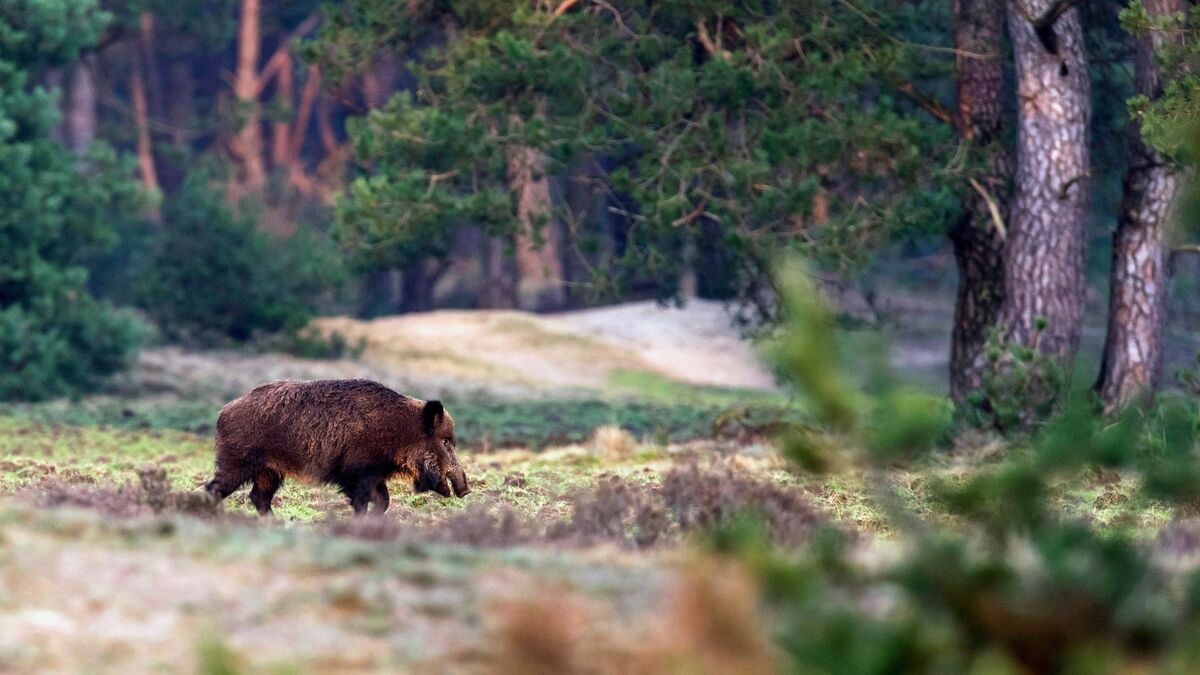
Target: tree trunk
{"type": "Point", "coordinates": [416, 292]}
{"type": "Point", "coordinates": [81, 106]}
{"type": "Point", "coordinates": [146, 34]}
{"type": "Point", "coordinates": [499, 276]}
{"type": "Point", "coordinates": [248, 144]}
{"type": "Point", "coordinates": [325, 130]}
{"type": "Point", "coordinates": [1044, 290]}
{"type": "Point", "coordinates": [181, 110]}
{"type": "Point", "coordinates": [308, 97]}
{"type": "Point", "coordinates": [1132, 359]}
{"type": "Point", "coordinates": [378, 294]}
{"type": "Point", "coordinates": [141, 121]}
{"type": "Point", "coordinates": [539, 268]}
{"type": "Point", "coordinates": [978, 240]}
{"type": "Point", "coordinates": [280, 129]}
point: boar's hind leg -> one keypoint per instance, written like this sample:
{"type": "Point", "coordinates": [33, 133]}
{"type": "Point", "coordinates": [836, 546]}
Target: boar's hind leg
{"type": "Point", "coordinates": [265, 484]}
{"type": "Point", "coordinates": [226, 482]}
{"type": "Point", "coordinates": [380, 498]}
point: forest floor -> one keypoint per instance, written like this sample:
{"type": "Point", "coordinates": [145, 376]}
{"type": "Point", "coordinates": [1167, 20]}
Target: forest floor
{"type": "Point", "coordinates": [602, 446]}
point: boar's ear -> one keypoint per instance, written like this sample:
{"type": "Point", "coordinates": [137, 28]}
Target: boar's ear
{"type": "Point", "coordinates": [431, 416]}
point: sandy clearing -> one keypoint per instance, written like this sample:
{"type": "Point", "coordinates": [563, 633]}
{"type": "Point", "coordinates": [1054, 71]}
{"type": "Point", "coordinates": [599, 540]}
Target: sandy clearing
{"type": "Point", "coordinates": [696, 344]}
{"type": "Point", "coordinates": [502, 353]}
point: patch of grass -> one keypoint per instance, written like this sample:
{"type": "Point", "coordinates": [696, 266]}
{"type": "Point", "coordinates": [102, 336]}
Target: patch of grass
{"type": "Point", "coordinates": [482, 420]}
{"type": "Point", "coordinates": [539, 423]}
{"type": "Point", "coordinates": [196, 416]}
{"type": "Point", "coordinates": [648, 386]}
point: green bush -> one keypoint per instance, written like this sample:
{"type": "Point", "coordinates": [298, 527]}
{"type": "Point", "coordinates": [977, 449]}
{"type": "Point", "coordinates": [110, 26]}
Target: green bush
{"type": "Point", "coordinates": [1013, 581]}
{"type": "Point", "coordinates": [1022, 385]}
{"type": "Point", "coordinates": [212, 277]}
{"type": "Point", "coordinates": [55, 208]}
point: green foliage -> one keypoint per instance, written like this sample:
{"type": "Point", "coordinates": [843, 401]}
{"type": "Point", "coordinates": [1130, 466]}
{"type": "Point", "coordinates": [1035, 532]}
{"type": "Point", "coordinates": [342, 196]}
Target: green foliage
{"type": "Point", "coordinates": [752, 127]}
{"type": "Point", "coordinates": [213, 276]}
{"type": "Point", "coordinates": [1167, 120]}
{"type": "Point", "coordinates": [55, 208]}
{"type": "Point", "coordinates": [1017, 584]}
{"type": "Point", "coordinates": [1022, 385]}
{"type": "Point", "coordinates": [434, 170]}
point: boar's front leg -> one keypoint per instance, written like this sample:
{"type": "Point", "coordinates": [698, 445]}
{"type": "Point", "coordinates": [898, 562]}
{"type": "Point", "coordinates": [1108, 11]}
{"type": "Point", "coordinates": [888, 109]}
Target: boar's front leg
{"type": "Point", "coordinates": [380, 498]}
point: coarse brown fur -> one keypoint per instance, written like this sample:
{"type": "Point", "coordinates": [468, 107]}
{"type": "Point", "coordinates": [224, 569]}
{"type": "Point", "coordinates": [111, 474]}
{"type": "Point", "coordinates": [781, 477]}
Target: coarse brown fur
{"type": "Point", "coordinates": [355, 434]}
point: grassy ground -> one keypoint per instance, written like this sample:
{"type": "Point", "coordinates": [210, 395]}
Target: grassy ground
{"type": "Point", "coordinates": [584, 546]}
{"type": "Point", "coordinates": [609, 530]}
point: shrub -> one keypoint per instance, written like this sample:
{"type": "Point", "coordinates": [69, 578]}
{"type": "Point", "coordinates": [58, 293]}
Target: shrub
{"type": "Point", "coordinates": [55, 207]}
{"type": "Point", "coordinates": [1015, 583]}
{"type": "Point", "coordinates": [212, 276]}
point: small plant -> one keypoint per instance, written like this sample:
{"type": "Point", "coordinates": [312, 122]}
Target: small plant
{"type": "Point", "coordinates": [1022, 385]}
{"type": "Point", "coordinates": [612, 442]}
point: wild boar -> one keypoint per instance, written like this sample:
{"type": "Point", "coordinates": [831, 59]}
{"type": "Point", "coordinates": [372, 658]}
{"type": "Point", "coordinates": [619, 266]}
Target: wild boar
{"type": "Point", "coordinates": [355, 434]}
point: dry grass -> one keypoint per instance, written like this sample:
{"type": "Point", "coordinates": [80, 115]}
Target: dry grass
{"type": "Point", "coordinates": [613, 443]}
{"type": "Point", "coordinates": [706, 623]}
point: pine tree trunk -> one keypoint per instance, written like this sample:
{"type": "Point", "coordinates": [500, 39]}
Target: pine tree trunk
{"type": "Point", "coordinates": [141, 120]}
{"type": "Point", "coordinates": [308, 97]}
{"type": "Point", "coordinates": [280, 129]}
{"type": "Point", "coordinates": [147, 25]}
{"type": "Point", "coordinates": [1044, 254]}
{"type": "Point", "coordinates": [248, 144]}
{"type": "Point", "coordinates": [539, 268]}
{"type": "Point", "coordinates": [378, 294]}
{"type": "Point", "coordinates": [416, 292]}
{"type": "Point", "coordinates": [1132, 359]}
{"type": "Point", "coordinates": [978, 240]}
{"type": "Point", "coordinates": [81, 106]}
{"type": "Point", "coordinates": [181, 109]}
{"type": "Point", "coordinates": [499, 276]}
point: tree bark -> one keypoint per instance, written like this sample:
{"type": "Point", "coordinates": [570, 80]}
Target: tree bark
{"type": "Point", "coordinates": [280, 129]}
{"type": "Point", "coordinates": [1044, 290]}
{"type": "Point", "coordinates": [81, 106]}
{"type": "Point", "coordinates": [248, 143]}
{"type": "Point", "coordinates": [977, 238]}
{"type": "Point", "coordinates": [378, 294]}
{"type": "Point", "coordinates": [539, 268]}
{"type": "Point", "coordinates": [499, 276]}
{"type": "Point", "coordinates": [146, 38]}
{"type": "Point", "coordinates": [141, 120]}
{"type": "Point", "coordinates": [181, 109]}
{"type": "Point", "coordinates": [1132, 361]}
{"type": "Point", "coordinates": [418, 280]}
{"type": "Point", "coordinates": [308, 96]}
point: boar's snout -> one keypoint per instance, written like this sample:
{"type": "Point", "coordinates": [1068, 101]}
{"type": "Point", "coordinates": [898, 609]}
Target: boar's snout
{"type": "Point", "coordinates": [458, 480]}
{"type": "Point", "coordinates": [431, 481]}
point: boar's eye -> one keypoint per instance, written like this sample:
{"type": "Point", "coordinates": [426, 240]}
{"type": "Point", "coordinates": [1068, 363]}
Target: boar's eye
{"type": "Point", "coordinates": [447, 443]}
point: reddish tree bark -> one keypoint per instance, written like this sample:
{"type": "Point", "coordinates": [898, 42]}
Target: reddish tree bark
{"type": "Point", "coordinates": [247, 145]}
{"type": "Point", "coordinates": [141, 116]}
{"type": "Point", "coordinates": [539, 268]}
{"type": "Point", "coordinates": [281, 156]}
